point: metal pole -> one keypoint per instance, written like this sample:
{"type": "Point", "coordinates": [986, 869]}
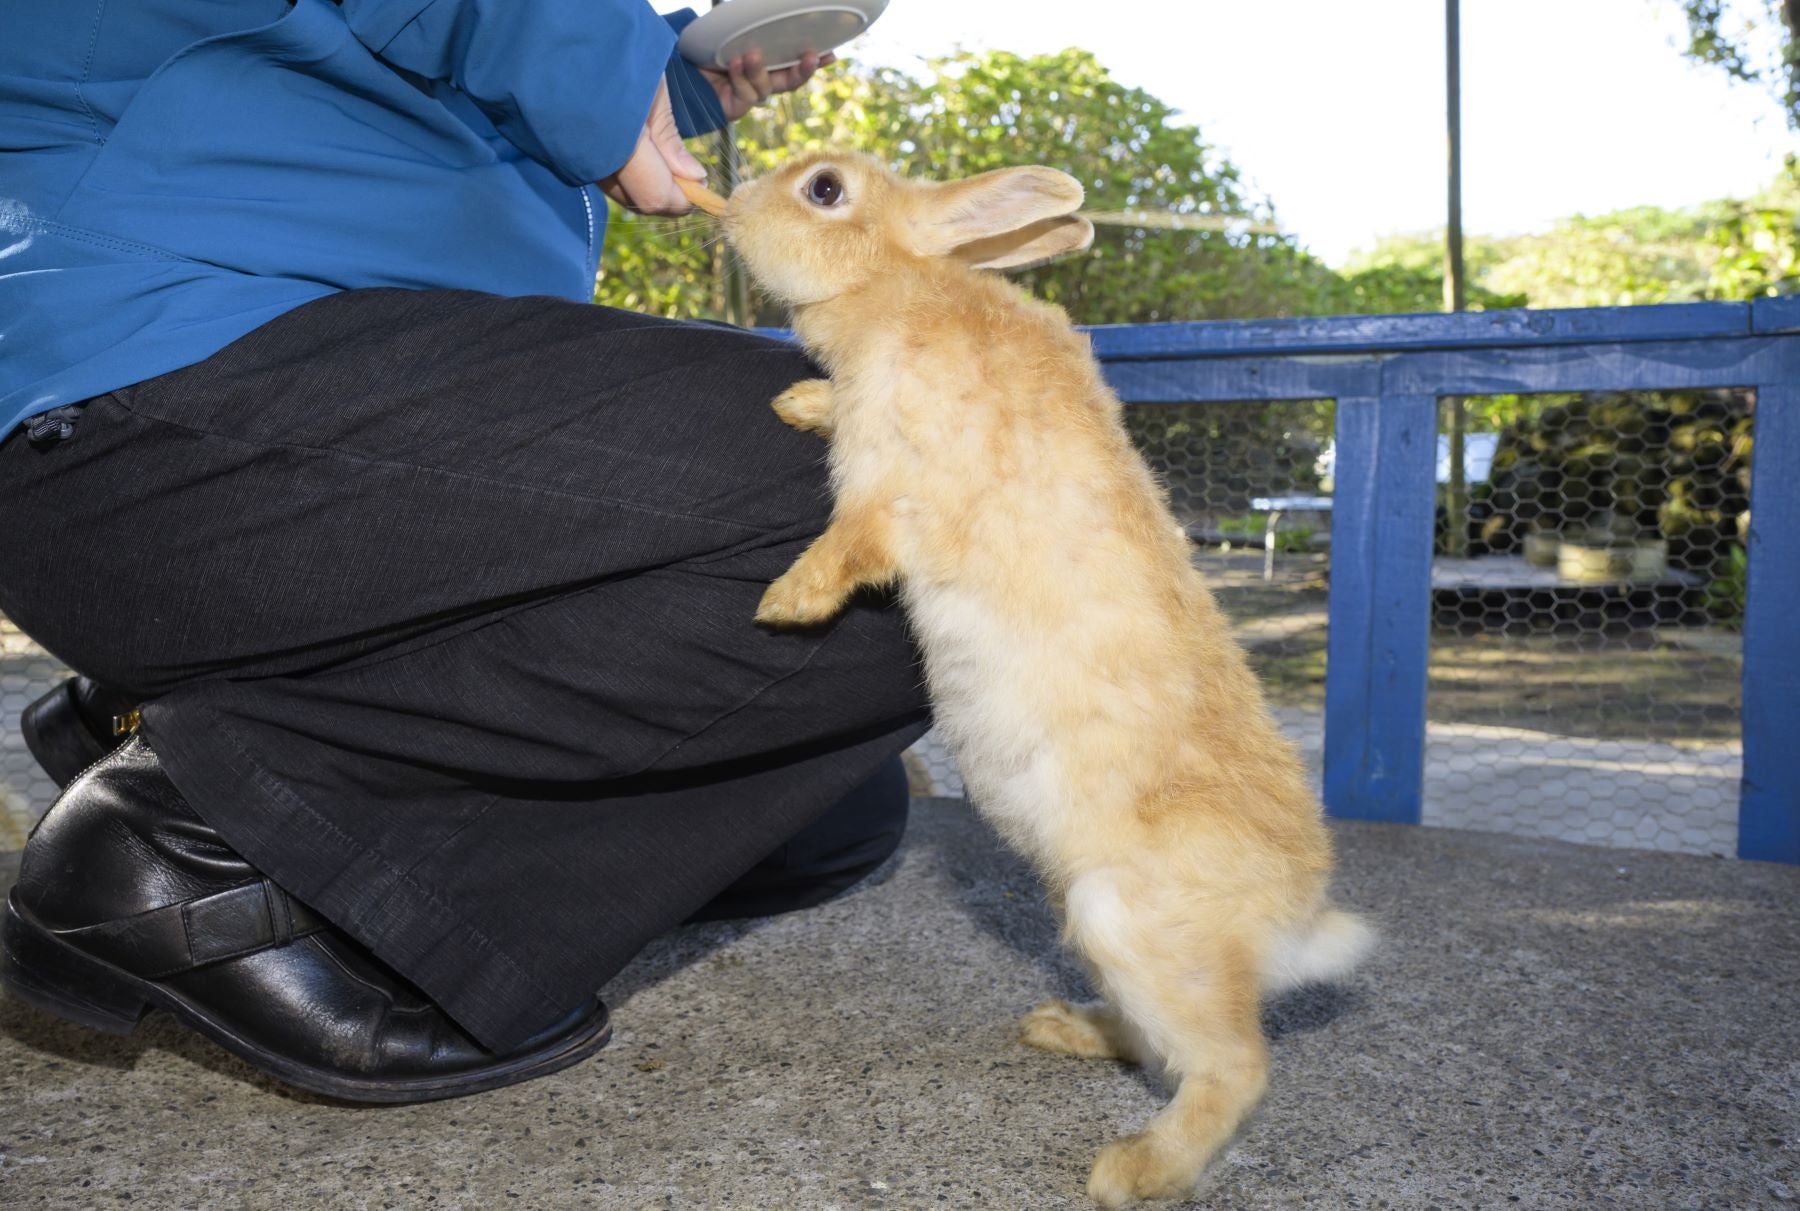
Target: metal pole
{"type": "Point", "coordinates": [1457, 503]}
{"type": "Point", "coordinates": [1453, 244]}
{"type": "Point", "coordinates": [731, 285]}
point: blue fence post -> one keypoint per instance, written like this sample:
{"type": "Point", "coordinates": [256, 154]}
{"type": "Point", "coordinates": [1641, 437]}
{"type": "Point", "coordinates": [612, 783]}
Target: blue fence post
{"type": "Point", "coordinates": [1769, 806]}
{"type": "Point", "coordinates": [1379, 637]}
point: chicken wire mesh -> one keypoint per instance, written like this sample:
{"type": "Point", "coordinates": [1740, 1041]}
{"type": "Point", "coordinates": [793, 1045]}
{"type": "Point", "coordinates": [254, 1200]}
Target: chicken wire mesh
{"type": "Point", "coordinates": [1586, 657]}
{"type": "Point", "coordinates": [26, 672]}
{"type": "Point", "coordinates": [1585, 654]}
{"type": "Point", "coordinates": [1586, 662]}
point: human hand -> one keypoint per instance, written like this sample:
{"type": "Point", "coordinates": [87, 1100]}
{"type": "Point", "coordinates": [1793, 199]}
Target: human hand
{"type": "Point", "coordinates": [746, 82]}
{"type": "Point", "coordinates": [646, 183]}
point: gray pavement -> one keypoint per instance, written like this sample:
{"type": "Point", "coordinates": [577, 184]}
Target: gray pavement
{"type": "Point", "coordinates": [1546, 1025]}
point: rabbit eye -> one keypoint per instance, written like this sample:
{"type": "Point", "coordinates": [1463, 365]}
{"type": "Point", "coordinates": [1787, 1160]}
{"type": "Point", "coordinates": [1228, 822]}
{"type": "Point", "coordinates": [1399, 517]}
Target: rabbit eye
{"type": "Point", "coordinates": [825, 189]}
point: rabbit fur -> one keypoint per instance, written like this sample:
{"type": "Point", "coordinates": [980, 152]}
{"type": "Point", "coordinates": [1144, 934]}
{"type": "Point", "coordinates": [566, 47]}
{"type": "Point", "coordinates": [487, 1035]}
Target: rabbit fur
{"type": "Point", "coordinates": [1104, 719]}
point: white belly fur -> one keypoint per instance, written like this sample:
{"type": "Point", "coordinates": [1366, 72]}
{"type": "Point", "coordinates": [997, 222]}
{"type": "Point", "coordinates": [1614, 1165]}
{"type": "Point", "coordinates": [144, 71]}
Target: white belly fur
{"type": "Point", "coordinates": [987, 693]}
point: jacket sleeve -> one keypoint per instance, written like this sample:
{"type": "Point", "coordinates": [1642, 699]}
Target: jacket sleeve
{"type": "Point", "coordinates": [568, 82]}
{"type": "Point", "coordinates": [696, 105]}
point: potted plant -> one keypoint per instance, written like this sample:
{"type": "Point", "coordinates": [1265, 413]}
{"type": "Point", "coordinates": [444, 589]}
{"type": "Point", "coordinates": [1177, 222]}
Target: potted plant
{"type": "Point", "coordinates": [1589, 558]}
{"type": "Point", "coordinates": [1542, 548]}
{"type": "Point", "coordinates": [1612, 548]}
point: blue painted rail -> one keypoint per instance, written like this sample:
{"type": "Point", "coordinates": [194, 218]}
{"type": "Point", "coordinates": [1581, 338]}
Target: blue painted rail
{"type": "Point", "coordinates": [1386, 374]}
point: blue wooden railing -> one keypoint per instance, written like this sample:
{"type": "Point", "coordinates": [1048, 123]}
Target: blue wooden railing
{"type": "Point", "coordinates": [1386, 374]}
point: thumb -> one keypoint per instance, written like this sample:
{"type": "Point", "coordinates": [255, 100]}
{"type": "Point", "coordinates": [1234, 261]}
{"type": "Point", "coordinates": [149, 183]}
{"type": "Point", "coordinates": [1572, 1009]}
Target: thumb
{"type": "Point", "coordinates": [683, 164]}
{"type": "Point", "coordinates": [666, 136]}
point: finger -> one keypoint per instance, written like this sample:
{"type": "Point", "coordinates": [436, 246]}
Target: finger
{"type": "Point", "coordinates": [661, 131]}
{"type": "Point", "coordinates": [789, 78]}
{"type": "Point", "coordinates": [659, 195]}
{"type": "Point", "coordinates": [677, 159]}
{"type": "Point", "coordinates": [720, 80]}
{"type": "Point", "coordinates": [741, 85]}
{"type": "Point", "coordinates": [639, 193]}
{"type": "Point", "coordinates": [758, 74]}
{"type": "Point", "coordinates": [647, 184]}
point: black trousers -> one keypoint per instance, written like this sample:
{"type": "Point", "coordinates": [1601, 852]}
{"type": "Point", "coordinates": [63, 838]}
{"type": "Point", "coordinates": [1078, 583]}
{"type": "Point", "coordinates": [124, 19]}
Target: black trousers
{"type": "Point", "coordinates": [446, 604]}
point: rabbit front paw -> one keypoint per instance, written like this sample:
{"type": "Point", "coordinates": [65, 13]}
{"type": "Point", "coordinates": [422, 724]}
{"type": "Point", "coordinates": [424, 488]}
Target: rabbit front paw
{"type": "Point", "coordinates": [797, 600]}
{"type": "Point", "coordinates": [806, 405]}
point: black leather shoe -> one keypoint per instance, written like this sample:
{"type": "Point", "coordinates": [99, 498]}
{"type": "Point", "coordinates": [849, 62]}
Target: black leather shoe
{"type": "Point", "coordinates": [128, 901]}
{"type": "Point", "coordinates": [74, 726]}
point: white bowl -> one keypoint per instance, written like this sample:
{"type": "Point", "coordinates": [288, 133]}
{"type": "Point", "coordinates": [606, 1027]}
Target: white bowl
{"type": "Point", "coordinates": [784, 30]}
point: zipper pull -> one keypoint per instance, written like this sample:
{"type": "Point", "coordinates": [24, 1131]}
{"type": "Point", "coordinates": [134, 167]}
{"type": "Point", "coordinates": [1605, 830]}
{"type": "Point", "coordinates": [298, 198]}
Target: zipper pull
{"type": "Point", "coordinates": [56, 425]}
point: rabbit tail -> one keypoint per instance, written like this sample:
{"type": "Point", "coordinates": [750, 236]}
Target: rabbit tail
{"type": "Point", "coordinates": [1324, 949]}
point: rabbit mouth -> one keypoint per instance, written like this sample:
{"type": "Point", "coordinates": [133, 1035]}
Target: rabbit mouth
{"type": "Point", "coordinates": [703, 198]}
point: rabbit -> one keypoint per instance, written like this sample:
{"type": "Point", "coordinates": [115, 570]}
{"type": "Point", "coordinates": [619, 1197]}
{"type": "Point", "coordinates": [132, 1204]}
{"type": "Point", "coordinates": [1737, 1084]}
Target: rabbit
{"type": "Point", "coordinates": [1104, 719]}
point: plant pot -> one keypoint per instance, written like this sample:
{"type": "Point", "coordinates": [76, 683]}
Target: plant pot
{"type": "Point", "coordinates": [1592, 563]}
{"type": "Point", "coordinates": [1541, 550]}
{"type": "Point", "coordinates": [1649, 559]}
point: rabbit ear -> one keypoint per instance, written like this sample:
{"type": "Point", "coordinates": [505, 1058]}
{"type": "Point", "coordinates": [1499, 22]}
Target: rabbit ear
{"type": "Point", "coordinates": [1032, 244]}
{"type": "Point", "coordinates": [1005, 200]}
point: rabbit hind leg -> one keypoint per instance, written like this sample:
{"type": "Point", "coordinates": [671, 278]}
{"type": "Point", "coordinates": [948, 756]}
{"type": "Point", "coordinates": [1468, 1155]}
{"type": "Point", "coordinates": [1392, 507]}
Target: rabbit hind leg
{"type": "Point", "coordinates": [1196, 1006]}
{"type": "Point", "coordinates": [1091, 1031]}
{"type": "Point", "coordinates": [1218, 1058]}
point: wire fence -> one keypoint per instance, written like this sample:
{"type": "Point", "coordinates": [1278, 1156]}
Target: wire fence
{"type": "Point", "coordinates": [26, 673]}
{"type": "Point", "coordinates": [1586, 661]}
{"type": "Point", "coordinates": [1586, 658]}
{"type": "Point", "coordinates": [1585, 653]}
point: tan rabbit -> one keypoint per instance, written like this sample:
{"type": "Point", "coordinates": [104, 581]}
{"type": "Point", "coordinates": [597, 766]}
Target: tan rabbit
{"type": "Point", "coordinates": [1103, 717]}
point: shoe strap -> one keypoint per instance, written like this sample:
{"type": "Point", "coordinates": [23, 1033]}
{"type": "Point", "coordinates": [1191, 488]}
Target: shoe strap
{"type": "Point", "coordinates": [179, 937]}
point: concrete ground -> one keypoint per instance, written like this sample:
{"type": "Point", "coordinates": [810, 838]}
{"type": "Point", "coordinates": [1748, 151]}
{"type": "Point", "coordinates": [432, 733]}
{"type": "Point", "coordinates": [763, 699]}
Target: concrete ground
{"type": "Point", "coordinates": [1547, 1025]}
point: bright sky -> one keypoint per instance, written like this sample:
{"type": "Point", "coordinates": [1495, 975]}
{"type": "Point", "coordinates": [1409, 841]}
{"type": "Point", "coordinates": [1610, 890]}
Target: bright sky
{"type": "Point", "coordinates": [1335, 111]}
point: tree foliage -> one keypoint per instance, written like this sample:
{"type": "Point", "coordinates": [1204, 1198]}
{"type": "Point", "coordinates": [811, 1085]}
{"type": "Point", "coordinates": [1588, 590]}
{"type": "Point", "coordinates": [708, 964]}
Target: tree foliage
{"type": "Point", "coordinates": [968, 113]}
{"type": "Point", "coordinates": [1750, 40]}
{"type": "Point", "coordinates": [1732, 248]}
{"type": "Point", "coordinates": [1756, 242]}
{"type": "Point", "coordinates": [1406, 273]}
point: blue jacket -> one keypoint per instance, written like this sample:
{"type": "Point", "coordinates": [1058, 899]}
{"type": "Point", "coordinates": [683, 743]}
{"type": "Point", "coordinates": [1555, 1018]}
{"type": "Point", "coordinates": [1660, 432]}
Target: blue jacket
{"type": "Point", "coordinates": [174, 173]}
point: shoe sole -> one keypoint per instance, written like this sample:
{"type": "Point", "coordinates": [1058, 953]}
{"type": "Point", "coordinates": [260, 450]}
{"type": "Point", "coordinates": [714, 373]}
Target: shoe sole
{"type": "Point", "coordinates": [44, 971]}
{"type": "Point", "coordinates": [58, 737]}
